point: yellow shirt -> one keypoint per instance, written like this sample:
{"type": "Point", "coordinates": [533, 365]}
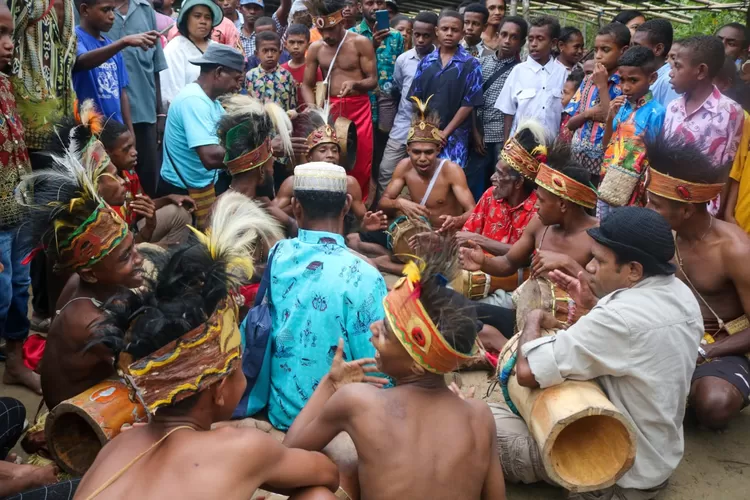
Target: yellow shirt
{"type": "Point", "coordinates": [742, 209]}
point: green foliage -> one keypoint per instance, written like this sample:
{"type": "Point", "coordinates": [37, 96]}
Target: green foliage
{"type": "Point", "coordinates": [706, 23]}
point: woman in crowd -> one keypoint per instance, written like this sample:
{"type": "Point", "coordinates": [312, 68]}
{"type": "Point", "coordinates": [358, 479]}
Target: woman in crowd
{"type": "Point", "coordinates": [630, 18]}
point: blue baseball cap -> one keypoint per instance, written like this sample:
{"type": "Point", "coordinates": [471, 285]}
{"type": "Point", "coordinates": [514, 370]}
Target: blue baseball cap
{"type": "Point", "coordinates": [256, 2]}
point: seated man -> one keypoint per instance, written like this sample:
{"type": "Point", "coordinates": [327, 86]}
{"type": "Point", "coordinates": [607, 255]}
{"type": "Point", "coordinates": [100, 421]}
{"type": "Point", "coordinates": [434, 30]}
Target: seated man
{"type": "Point", "coordinates": [83, 236]}
{"type": "Point", "coordinates": [446, 201]}
{"type": "Point", "coordinates": [398, 431]}
{"type": "Point", "coordinates": [712, 258]}
{"type": "Point", "coordinates": [638, 342]}
{"type": "Point", "coordinates": [180, 336]}
{"type": "Point", "coordinates": [319, 291]}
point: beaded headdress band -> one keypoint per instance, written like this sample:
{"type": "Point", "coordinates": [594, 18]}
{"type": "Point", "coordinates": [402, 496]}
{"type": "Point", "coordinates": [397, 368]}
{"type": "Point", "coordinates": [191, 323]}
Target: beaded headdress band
{"type": "Point", "coordinates": [676, 189]}
{"type": "Point", "coordinates": [413, 327]}
{"type": "Point", "coordinates": [250, 160]}
{"type": "Point", "coordinates": [563, 186]}
{"type": "Point", "coordinates": [520, 160]}
{"type": "Point", "coordinates": [422, 129]}
{"type": "Point", "coordinates": [325, 134]}
{"type": "Point", "coordinates": [329, 20]}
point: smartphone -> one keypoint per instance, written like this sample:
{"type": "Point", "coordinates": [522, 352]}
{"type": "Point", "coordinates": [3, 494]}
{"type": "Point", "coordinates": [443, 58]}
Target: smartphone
{"type": "Point", "coordinates": [381, 20]}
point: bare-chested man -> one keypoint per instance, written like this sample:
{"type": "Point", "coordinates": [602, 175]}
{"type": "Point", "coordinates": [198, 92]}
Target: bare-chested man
{"type": "Point", "coordinates": [348, 61]}
{"type": "Point", "coordinates": [712, 259]}
{"type": "Point", "coordinates": [437, 188]}
{"type": "Point", "coordinates": [417, 439]}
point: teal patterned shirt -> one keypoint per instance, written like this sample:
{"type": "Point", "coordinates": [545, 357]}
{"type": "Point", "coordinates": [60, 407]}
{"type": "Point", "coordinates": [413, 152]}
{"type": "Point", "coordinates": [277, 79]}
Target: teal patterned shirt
{"type": "Point", "coordinates": [385, 55]}
{"type": "Point", "coordinates": [274, 86]}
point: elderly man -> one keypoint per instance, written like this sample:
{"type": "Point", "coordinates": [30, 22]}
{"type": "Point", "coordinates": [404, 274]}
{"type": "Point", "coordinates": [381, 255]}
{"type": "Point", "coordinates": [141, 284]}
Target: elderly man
{"type": "Point", "coordinates": [638, 341]}
{"type": "Point", "coordinates": [192, 154]}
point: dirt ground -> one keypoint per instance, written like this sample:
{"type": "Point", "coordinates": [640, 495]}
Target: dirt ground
{"type": "Point", "coordinates": [715, 466]}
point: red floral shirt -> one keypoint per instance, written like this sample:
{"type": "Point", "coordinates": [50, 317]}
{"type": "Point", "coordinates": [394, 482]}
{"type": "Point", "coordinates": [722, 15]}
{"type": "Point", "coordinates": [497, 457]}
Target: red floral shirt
{"type": "Point", "coordinates": [497, 220]}
{"type": "Point", "coordinates": [133, 185]}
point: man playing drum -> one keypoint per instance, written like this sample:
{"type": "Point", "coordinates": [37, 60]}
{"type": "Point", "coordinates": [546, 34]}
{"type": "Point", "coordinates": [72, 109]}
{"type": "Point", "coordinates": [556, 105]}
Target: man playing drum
{"type": "Point", "coordinates": [638, 340]}
{"type": "Point", "coordinates": [712, 257]}
{"type": "Point", "coordinates": [414, 440]}
{"type": "Point", "coordinates": [440, 185]}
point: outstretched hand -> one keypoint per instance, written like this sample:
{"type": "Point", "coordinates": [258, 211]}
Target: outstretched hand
{"type": "Point", "coordinates": [351, 372]}
{"type": "Point", "coordinates": [578, 288]}
{"type": "Point", "coordinates": [471, 256]}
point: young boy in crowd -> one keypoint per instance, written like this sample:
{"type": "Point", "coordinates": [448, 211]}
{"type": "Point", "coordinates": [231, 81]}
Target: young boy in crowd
{"type": "Point", "coordinates": [533, 88]}
{"type": "Point", "coordinates": [634, 118]}
{"type": "Point", "coordinates": [569, 90]}
{"type": "Point", "coordinates": [297, 42]}
{"type": "Point", "coordinates": [656, 35]}
{"type": "Point", "coordinates": [703, 115]}
{"type": "Point", "coordinates": [475, 21]}
{"type": "Point", "coordinates": [589, 107]}
{"type": "Point", "coordinates": [99, 72]}
{"type": "Point", "coordinates": [269, 82]}
{"type": "Point", "coordinates": [249, 42]}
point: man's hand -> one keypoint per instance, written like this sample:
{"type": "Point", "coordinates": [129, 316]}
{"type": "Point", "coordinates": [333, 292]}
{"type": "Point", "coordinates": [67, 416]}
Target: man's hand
{"type": "Point", "coordinates": [600, 76]}
{"type": "Point", "coordinates": [443, 138]}
{"type": "Point", "coordinates": [471, 257]}
{"type": "Point", "coordinates": [548, 321]}
{"type": "Point", "coordinates": [143, 40]}
{"type": "Point", "coordinates": [352, 372]}
{"type": "Point", "coordinates": [450, 224]}
{"type": "Point", "coordinates": [410, 209]}
{"type": "Point", "coordinates": [375, 221]}
{"type": "Point", "coordinates": [615, 105]}
{"type": "Point", "coordinates": [578, 288]}
{"type": "Point", "coordinates": [378, 37]}
{"type": "Point", "coordinates": [423, 242]}
{"type": "Point", "coordinates": [462, 237]}
{"type": "Point", "coordinates": [144, 207]}
{"type": "Point", "coordinates": [478, 140]}
{"type": "Point", "coordinates": [545, 261]}
{"type": "Point", "coordinates": [299, 146]}
{"type": "Point", "coordinates": [183, 201]}
{"type": "Point", "coordinates": [347, 88]}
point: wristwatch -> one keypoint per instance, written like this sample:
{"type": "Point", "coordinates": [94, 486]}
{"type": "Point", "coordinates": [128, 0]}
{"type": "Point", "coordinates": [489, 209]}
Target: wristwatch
{"type": "Point", "coordinates": [702, 353]}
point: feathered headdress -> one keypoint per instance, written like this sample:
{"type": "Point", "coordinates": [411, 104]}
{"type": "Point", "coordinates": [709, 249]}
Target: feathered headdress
{"type": "Point", "coordinates": [180, 335]}
{"type": "Point", "coordinates": [315, 127]}
{"type": "Point", "coordinates": [425, 125]}
{"type": "Point", "coordinates": [245, 132]}
{"type": "Point", "coordinates": [526, 150]}
{"type": "Point", "coordinates": [67, 216]}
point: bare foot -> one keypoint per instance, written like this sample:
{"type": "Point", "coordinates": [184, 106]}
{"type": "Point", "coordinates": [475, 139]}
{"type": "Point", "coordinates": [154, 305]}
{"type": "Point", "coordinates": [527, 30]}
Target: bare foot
{"type": "Point", "coordinates": [16, 372]}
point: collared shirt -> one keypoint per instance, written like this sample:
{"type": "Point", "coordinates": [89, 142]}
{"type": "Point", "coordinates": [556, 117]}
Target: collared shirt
{"type": "Point", "coordinates": [742, 207]}
{"type": "Point", "coordinates": [640, 344]}
{"type": "Point", "coordinates": [180, 72]}
{"type": "Point", "coordinates": [403, 75]}
{"type": "Point", "coordinates": [309, 315]}
{"type": "Point", "coordinates": [44, 52]}
{"type": "Point", "coordinates": [386, 54]}
{"type": "Point", "coordinates": [191, 123]}
{"type": "Point", "coordinates": [240, 20]}
{"type": "Point", "coordinates": [534, 91]}
{"type": "Point", "coordinates": [662, 87]}
{"type": "Point", "coordinates": [499, 221]}
{"type": "Point", "coordinates": [716, 126]}
{"type": "Point", "coordinates": [14, 158]}
{"type": "Point", "coordinates": [479, 50]}
{"type": "Point", "coordinates": [490, 117]}
{"type": "Point", "coordinates": [276, 86]}
{"type": "Point", "coordinates": [631, 126]}
{"type": "Point", "coordinates": [587, 139]}
{"type": "Point", "coordinates": [254, 62]}
{"type": "Point", "coordinates": [248, 42]}
{"type": "Point", "coordinates": [453, 86]}
{"type": "Point", "coordinates": [140, 64]}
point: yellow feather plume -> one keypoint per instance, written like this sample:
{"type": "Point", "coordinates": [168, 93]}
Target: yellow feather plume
{"type": "Point", "coordinates": [421, 106]}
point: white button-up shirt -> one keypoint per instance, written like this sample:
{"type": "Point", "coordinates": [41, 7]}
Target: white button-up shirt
{"type": "Point", "coordinates": [534, 91]}
{"type": "Point", "coordinates": [640, 344]}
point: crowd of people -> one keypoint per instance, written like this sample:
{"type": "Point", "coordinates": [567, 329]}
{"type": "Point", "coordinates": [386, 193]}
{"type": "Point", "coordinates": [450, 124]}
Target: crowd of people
{"type": "Point", "coordinates": [202, 202]}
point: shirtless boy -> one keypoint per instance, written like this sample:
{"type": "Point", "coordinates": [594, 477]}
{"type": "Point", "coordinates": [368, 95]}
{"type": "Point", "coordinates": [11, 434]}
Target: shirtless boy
{"type": "Point", "coordinates": [151, 461]}
{"type": "Point", "coordinates": [439, 184]}
{"type": "Point", "coordinates": [349, 78]}
{"type": "Point", "coordinates": [417, 439]}
{"type": "Point", "coordinates": [712, 257]}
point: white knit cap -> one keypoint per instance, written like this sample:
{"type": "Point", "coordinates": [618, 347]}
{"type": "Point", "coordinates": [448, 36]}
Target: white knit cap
{"type": "Point", "coordinates": [320, 176]}
{"type": "Point", "coordinates": [297, 6]}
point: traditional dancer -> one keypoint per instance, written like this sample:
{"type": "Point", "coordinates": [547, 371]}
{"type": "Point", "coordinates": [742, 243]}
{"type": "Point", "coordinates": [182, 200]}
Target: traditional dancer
{"type": "Point", "coordinates": [348, 61]}
{"type": "Point", "coordinates": [178, 348]}
{"type": "Point", "coordinates": [426, 334]}
{"type": "Point", "coordinates": [712, 258]}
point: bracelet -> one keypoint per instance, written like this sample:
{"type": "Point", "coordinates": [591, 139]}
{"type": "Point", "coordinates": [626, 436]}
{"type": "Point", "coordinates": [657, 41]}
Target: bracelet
{"type": "Point", "coordinates": [161, 115]}
{"type": "Point", "coordinates": [702, 353]}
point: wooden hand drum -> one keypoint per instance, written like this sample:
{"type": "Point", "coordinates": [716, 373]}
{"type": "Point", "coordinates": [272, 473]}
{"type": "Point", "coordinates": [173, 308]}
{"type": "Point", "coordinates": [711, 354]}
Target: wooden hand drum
{"type": "Point", "coordinates": [78, 428]}
{"type": "Point", "coordinates": [346, 133]}
{"type": "Point", "coordinates": [541, 293]}
{"type": "Point", "coordinates": [399, 232]}
{"type": "Point", "coordinates": [477, 285]}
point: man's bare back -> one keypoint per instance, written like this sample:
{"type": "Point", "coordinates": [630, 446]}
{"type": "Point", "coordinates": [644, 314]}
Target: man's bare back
{"type": "Point", "coordinates": [352, 58]}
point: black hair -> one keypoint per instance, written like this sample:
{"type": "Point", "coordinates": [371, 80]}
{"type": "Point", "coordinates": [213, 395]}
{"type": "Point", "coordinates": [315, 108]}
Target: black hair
{"type": "Point", "coordinates": [559, 158]}
{"type": "Point", "coordinates": [479, 9]}
{"type": "Point", "coordinates": [324, 7]}
{"type": "Point", "coordinates": [465, 4]}
{"type": "Point", "coordinates": [728, 72]}
{"type": "Point", "coordinates": [320, 205]}
{"type": "Point", "coordinates": [639, 57]}
{"type": "Point", "coordinates": [298, 29]}
{"type": "Point", "coordinates": [111, 133]}
{"type": "Point", "coordinates": [741, 28]}
{"type": "Point", "coordinates": [518, 21]}
{"type": "Point", "coordinates": [576, 76]}
{"type": "Point", "coordinates": [182, 25]}
{"type": "Point", "coordinates": [265, 21]}
{"type": "Point", "coordinates": [619, 32]}
{"type": "Point", "coordinates": [90, 3]}
{"type": "Point", "coordinates": [450, 13]}
{"type": "Point", "coordinates": [673, 156]}
{"type": "Point", "coordinates": [266, 36]}
{"type": "Point", "coordinates": [625, 16]}
{"type": "Point", "coordinates": [427, 18]}
{"type": "Point", "coordinates": [740, 93]}
{"type": "Point", "coordinates": [400, 17]}
{"type": "Point", "coordinates": [658, 31]}
{"type": "Point", "coordinates": [567, 32]}
{"type": "Point", "coordinates": [551, 23]}
{"type": "Point", "coordinates": [705, 49]}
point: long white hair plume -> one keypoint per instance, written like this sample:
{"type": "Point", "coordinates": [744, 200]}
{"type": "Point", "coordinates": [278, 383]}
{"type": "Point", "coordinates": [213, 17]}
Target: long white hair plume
{"type": "Point", "coordinates": [238, 225]}
{"type": "Point", "coordinates": [537, 130]}
{"type": "Point", "coordinates": [243, 107]}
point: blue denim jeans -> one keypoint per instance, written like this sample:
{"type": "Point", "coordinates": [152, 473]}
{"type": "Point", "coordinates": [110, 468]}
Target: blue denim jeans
{"type": "Point", "coordinates": [14, 287]}
{"type": "Point", "coordinates": [479, 168]}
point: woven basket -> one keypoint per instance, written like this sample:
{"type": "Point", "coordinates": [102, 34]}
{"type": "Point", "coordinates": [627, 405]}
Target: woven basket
{"type": "Point", "coordinates": [617, 186]}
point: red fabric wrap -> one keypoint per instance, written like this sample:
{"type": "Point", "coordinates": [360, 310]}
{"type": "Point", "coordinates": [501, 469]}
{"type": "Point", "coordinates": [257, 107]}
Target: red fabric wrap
{"type": "Point", "coordinates": [357, 109]}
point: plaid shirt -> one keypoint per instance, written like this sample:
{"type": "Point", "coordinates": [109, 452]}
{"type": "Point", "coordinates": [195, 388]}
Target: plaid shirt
{"type": "Point", "coordinates": [248, 42]}
{"type": "Point", "coordinates": [490, 117]}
